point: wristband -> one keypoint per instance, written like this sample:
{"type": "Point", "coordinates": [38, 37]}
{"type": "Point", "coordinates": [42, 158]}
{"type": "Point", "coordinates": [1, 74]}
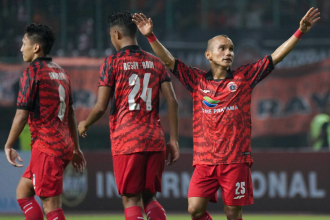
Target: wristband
{"type": "Point", "coordinates": [298, 34]}
{"type": "Point", "coordinates": [151, 38]}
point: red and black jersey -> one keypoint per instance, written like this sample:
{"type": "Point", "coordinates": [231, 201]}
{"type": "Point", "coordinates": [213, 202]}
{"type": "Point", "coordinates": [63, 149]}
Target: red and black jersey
{"type": "Point", "coordinates": [45, 92]}
{"type": "Point", "coordinates": [135, 76]}
{"type": "Point", "coordinates": [221, 110]}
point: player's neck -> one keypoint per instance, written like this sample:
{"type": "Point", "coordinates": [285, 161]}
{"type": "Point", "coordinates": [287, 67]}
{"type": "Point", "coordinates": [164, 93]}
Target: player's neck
{"type": "Point", "coordinates": [37, 55]}
{"type": "Point", "coordinates": [219, 72]}
{"type": "Point", "coordinates": [128, 42]}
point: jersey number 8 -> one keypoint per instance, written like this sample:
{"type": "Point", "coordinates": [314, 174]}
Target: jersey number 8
{"type": "Point", "coordinates": [62, 107]}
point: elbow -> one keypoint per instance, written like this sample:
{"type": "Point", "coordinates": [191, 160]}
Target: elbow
{"type": "Point", "coordinates": [276, 59]}
{"type": "Point", "coordinates": [24, 120]}
{"type": "Point", "coordinates": [174, 104]}
{"type": "Point", "coordinates": [169, 62]}
{"type": "Point", "coordinates": [22, 116]}
{"type": "Point", "coordinates": [101, 109]}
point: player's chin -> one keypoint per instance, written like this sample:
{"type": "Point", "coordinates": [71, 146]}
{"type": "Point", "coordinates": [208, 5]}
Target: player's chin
{"type": "Point", "coordinates": [226, 64]}
{"type": "Point", "coordinates": [25, 59]}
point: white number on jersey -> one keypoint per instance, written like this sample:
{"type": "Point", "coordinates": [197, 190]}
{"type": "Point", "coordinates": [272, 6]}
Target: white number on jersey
{"type": "Point", "coordinates": [134, 80]}
{"type": "Point", "coordinates": [61, 110]}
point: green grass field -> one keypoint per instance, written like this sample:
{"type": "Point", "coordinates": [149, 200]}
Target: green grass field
{"type": "Point", "coordinates": [184, 217]}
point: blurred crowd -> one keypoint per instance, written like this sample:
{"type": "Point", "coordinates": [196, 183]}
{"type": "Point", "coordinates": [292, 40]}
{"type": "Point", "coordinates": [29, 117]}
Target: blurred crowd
{"type": "Point", "coordinates": [80, 19]}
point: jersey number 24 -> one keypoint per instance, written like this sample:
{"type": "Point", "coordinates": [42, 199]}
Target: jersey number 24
{"type": "Point", "coordinates": [134, 80]}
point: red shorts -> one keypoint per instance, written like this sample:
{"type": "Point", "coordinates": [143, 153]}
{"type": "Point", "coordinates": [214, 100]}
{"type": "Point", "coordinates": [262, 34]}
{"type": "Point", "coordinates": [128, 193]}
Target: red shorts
{"type": "Point", "coordinates": [46, 173]}
{"type": "Point", "coordinates": [138, 172]}
{"type": "Point", "coordinates": [234, 179]}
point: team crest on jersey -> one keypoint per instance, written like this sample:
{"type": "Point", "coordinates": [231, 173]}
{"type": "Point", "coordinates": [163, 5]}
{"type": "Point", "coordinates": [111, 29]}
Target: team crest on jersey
{"type": "Point", "coordinates": [210, 102]}
{"type": "Point", "coordinates": [232, 86]}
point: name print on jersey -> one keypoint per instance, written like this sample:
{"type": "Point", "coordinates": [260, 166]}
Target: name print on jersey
{"type": "Point", "coordinates": [58, 76]}
{"type": "Point", "coordinates": [135, 65]}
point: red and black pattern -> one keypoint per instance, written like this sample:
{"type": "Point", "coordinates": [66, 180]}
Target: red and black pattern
{"type": "Point", "coordinates": [134, 120]}
{"type": "Point", "coordinates": [221, 111]}
{"type": "Point", "coordinates": [45, 92]}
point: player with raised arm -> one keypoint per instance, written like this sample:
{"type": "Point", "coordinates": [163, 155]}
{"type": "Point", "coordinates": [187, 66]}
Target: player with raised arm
{"type": "Point", "coordinates": [45, 102]}
{"type": "Point", "coordinates": [133, 79]}
{"type": "Point", "coordinates": [221, 117]}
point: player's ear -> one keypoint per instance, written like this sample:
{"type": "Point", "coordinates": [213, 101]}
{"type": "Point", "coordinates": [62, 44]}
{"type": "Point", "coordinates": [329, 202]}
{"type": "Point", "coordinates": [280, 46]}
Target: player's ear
{"type": "Point", "coordinates": [36, 48]}
{"type": "Point", "coordinates": [118, 35]}
{"type": "Point", "coordinates": [208, 55]}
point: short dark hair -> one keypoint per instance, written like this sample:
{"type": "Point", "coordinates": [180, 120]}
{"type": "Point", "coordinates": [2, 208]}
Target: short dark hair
{"type": "Point", "coordinates": [123, 19]}
{"type": "Point", "coordinates": [207, 44]}
{"type": "Point", "coordinates": [42, 35]}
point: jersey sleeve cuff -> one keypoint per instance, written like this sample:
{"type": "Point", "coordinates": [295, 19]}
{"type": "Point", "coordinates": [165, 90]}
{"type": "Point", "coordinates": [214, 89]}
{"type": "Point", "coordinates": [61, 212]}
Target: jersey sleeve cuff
{"type": "Point", "coordinates": [167, 79]}
{"type": "Point", "coordinates": [23, 107]}
{"type": "Point", "coordinates": [271, 64]}
{"type": "Point", "coordinates": [175, 65]}
{"type": "Point", "coordinates": [104, 85]}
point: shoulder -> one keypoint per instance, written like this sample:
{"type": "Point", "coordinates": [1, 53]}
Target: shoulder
{"type": "Point", "coordinates": [27, 71]}
{"type": "Point", "coordinates": [241, 70]}
{"type": "Point", "coordinates": [179, 64]}
{"type": "Point", "coordinates": [54, 65]}
{"type": "Point", "coordinates": [264, 61]}
{"type": "Point", "coordinates": [30, 71]}
{"type": "Point", "coordinates": [260, 61]}
{"type": "Point", "coordinates": [38, 66]}
{"type": "Point", "coordinates": [108, 60]}
{"type": "Point", "coordinates": [150, 55]}
{"type": "Point", "coordinates": [156, 62]}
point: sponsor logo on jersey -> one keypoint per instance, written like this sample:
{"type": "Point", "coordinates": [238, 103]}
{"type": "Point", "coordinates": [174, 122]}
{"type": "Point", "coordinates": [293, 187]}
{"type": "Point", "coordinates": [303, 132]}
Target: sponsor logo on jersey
{"type": "Point", "coordinates": [210, 102]}
{"type": "Point", "coordinates": [205, 91]}
{"type": "Point", "coordinates": [239, 197]}
{"type": "Point", "coordinates": [232, 86]}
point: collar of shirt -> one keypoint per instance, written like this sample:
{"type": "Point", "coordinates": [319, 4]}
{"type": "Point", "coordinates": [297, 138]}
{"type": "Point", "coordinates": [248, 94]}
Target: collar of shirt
{"type": "Point", "coordinates": [209, 75]}
{"type": "Point", "coordinates": [41, 59]}
{"type": "Point", "coordinates": [130, 47]}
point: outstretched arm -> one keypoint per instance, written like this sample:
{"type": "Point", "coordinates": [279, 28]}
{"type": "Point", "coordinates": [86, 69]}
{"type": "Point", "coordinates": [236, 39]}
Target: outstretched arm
{"type": "Point", "coordinates": [97, 111]}
{"type": "Point", "coordinates": [306, 24]}
{"type": "Point", "coordinates": [146, 27]}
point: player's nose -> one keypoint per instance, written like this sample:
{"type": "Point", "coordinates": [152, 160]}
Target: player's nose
{"type": "Point", "coordinates": [229, 53]}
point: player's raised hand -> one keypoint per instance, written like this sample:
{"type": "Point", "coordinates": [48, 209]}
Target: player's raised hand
{"type": "Point", "coordinates": [143, 23]}
{"type": "Point", "coordinates": [172, 151]}
{"type": "Point", "coordinates": [82, 129]}
{"type": "Point", "coordinates": [12, 155]}
{"type": "Point", "coordinates": [312, 16]}
{"type": "Point", "coordinates": [78, 161]}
